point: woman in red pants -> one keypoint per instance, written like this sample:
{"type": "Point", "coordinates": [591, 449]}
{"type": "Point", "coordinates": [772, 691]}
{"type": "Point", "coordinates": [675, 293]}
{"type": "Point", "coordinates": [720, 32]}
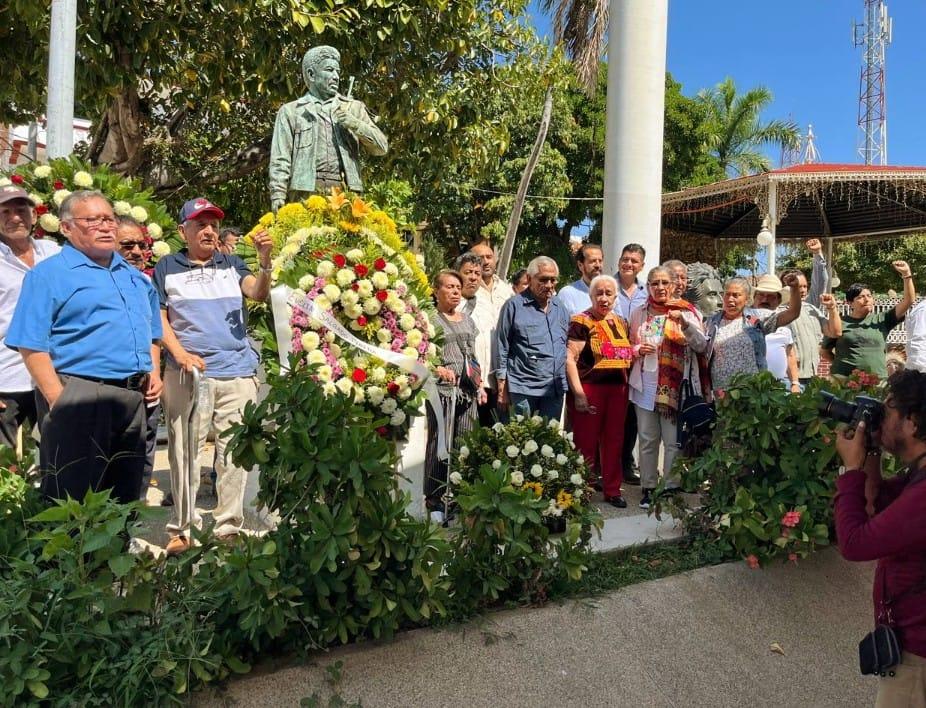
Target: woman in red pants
{"type": "Point", "coordinates": [598, 358]}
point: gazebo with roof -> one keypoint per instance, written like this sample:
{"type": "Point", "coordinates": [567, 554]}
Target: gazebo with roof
{"type": "Point", "coordinates": [833, 202]}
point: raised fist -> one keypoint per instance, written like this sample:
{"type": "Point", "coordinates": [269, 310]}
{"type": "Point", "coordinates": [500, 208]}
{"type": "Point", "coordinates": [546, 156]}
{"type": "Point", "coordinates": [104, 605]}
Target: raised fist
{"type": "Point", "coordinates": [791, 280]}
{"type": "Point", "coordinates": [827, 300]}
{"type": "Point", "coordinates": [814, 245]}
{"type": "Point", "coordinates": [902, 268]}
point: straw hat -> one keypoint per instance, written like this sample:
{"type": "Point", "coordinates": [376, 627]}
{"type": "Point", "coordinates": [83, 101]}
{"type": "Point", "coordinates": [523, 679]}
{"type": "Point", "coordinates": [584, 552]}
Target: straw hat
{"type": "Point", "coordinates": [769, 283]}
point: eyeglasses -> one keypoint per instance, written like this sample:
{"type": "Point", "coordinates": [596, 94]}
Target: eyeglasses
{"type": "Point", "coordinates": [129, 245]}
{"type": "Point", "coordinates": [95, 222]}
{"type": "Point", "coordinates": [547, 279]}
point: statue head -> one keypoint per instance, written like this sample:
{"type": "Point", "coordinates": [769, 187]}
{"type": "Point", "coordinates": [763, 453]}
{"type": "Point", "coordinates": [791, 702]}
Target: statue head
{"type": "Point", "coordinates": [705, 288]}
{"type": "Point", "coordinates": [321, 71]}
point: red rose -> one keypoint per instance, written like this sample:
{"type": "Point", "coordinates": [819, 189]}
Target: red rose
{"type": "Point", "coordinates": [355, 286]}
{"type": "Point", "coordinates": [393, 388]}
{"type": "Point", "coordinates": [59, 184]}
{"type": "Point", "coordinates": [383, 431]}
{"type": "Point", "coordinates": [362, 321]}
{"type": "Point", "coordinates": [39, 232]}
{"type": "Point", "coordinates": [41, 209]}
{"type": "Point", "coordinates": [382, 295]}
{"type": "Point", "coordinates": [361, 270]}
{"type": "Point", "coordinates": [16, 179]}
{"type": "Point", "coordinates": [379, 264]}
{"type": "Point", "coordinates": [339, 260]}
{"type": "Point", "coordinates": [358, 376]}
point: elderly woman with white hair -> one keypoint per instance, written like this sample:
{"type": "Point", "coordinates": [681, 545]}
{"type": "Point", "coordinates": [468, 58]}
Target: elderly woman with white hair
{"type": "Point", "coordinates": [531, 345]}
{"type": "Point", "coordinates": [598, 359]}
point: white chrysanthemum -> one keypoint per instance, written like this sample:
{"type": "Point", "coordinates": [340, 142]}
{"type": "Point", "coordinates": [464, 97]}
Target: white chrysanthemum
{"type": "Point", "coordinates": [49, 222]}
{"type": "Point", "coordinates": [344, 385]}
{"type": "Point", "coordinates": [324, 373]}
{"type": "Point", "coordinates": [42, 171]}
{"type": "Point", "coordinates": [455, 478]}
{"type": "Point", "coordinates": [332, 292]}
{"type": "Point", "coordinates": [412, 300]}
{"type": "Point", "coordinates": [349, 297]}
{"type": "Point", "coordinates": [389, 406]}
{"type": "Point", "coordinates": [536, 419]}
{"type": "Point", "coordinates": [496, 464]}
{"type": "Point", "coordinates": [140, 214]}
{"type": "Point", "coordinates": [384, 336]}
{"type": "Point", "coordinates": [391, 270]}
{"type": "Point", "coordinates": [554, 424]}
{"type": "Point", "coordinates": [547, 451]}
{"type": "Point", "coordinates": [529, 447]}
{"type": "Point", "coordinates": [155, 231]}
{"type": "Point", "coordinates": [380, 280]}
{"type": "Point", "coordinates": [464, 452]}
{"type": "Point", "coordinates": [414, 338]}
{"type": "Point", "coordinates": [82, 179]}
{"type": "Point", "coordinates": [289, 250]}
{"type": "Point", "coordinates": [405, 393]}
{"type": "Point", "coordinates": [372, 306]}
{"type": "Point", "coordinates": [512, 451]}
{"type": "Point", "coordinates": [359, 395]}
{"type": "Point", "coordinates": [345, 277]}
{"type": "Point", "coordinates": [419, 259]}
{"type": "Point", "coordinates": [401, 380]}
{"type": "Point", "coordinates": [353, 311]}
{"type": "Point", "coordinates": [410, 352]}
{"type": "Point", "coordinates": [306, 282]}
{"type": "Point", "coordinates": [398, 418]}
{"type": "Point", "coordinates": [122, 208]}
{"type": "Point", "coordinates": [375, 395]}
{"type": "Point", "coordinates": [310, 342]}
{"type": "Point", "coordinates": [517, 478]}
{"type": "Point", "coordinates": [360, 361]}
{"type": "Point", "coordinates": [577, 480]}
{"type": "Point", "coordinates": [431, 330]}
{"type": "Point", "coordinates": [498, 427]}
{"type": "Point", "coordinates": [378, 374]}
{"type": "Point", "coordinates": [59, 196]}
{"type": "Point", "coordinates": [317, 356]}
{"type": "Point", "coordinates": [329, 389]}
{"type": "Point", "coordinates": [396, 305]}
{"type": "Point", "coordinates": [536, 471]}
{"type": "Point", "coordinates": [5, 182]}
{"type": "Point", "coordinates": [406, 322]}
{"type": "Point", "coordinates": [160, 249]}
{"type": "Point", "coordinates": [322, 302]}
{"type": "Point", "coordinates": [36, 198]}
{"type": "Point", "coordinates": [364, 288]}
{"type": "Point", "coordinates": [324, 269]}
{"type": "Point", "coordinates": [519, 418]}
{"type": "Point", "coordinates": [561, 459]}
{"type": "Point", "coordinates": [354, 255]}
{"type": "Point", "coordinates": [330, 336]}
{"type": "Point", "coordinates": [335, 349]}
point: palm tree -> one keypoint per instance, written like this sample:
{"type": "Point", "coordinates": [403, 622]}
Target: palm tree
{"type": "Point", "coordinates": [580, 25]}
{"type": "Point", "coordinates": [737, 131]}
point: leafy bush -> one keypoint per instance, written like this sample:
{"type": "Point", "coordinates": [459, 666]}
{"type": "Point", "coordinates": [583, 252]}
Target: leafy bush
{"type": "Point", "coordinates": [766, 484]}
{"type": "Point", "coordinates": [512, 483]}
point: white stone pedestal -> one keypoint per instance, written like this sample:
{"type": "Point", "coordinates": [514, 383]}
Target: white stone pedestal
{"type": "Point", "coordinates": [411, 463]}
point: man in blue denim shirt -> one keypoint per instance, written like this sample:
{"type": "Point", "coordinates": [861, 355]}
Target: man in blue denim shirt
{"type": "Point", "coordinates": [531, 342]}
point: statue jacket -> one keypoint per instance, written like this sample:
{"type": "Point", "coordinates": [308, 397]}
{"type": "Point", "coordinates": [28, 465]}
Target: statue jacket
{"type": "Point", "coordinates": [295, 139]}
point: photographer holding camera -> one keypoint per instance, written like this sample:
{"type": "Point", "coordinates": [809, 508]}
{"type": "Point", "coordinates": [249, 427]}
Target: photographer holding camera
{"type": "Point", "coordinates": [884, 520]}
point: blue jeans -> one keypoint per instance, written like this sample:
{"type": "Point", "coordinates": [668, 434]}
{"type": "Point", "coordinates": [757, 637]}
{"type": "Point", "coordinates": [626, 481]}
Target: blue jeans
{"type": "Point", "coordinates": [547, 406]}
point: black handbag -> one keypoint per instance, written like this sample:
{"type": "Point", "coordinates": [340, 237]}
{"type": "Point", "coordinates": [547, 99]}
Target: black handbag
{"type": "Point", "coordinates": [470, 376]}
{"type": "Point", "coordinates": [695, 415]}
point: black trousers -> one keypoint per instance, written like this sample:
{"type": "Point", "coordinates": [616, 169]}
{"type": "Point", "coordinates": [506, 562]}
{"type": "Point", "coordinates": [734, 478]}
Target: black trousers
{"type": "Point", "coordinates": [93, 438]}
{"type": "Point", "coordinates": [153, 417]}
{"type": "Point", "coordinates": [20, 407]}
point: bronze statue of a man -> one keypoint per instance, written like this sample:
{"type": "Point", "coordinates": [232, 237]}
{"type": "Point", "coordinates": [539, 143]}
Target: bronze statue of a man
{"type": "Point", "coordinates": [317, 138]}
{"type": "Point", "coordinates": [705, 288]}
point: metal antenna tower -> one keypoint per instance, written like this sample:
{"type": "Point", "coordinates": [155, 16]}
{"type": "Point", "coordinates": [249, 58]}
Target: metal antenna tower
{"type": "Point", "coordinates": [874, 34]}
{"type": "Point", "coordinates": [810, 155]}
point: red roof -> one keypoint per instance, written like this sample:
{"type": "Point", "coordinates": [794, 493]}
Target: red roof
{"type": "Point", "coordinates": [824, 167]}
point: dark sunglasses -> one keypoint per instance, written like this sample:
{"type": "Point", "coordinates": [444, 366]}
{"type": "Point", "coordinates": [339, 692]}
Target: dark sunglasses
{"type": "Point", "coordinates": [129, 245]}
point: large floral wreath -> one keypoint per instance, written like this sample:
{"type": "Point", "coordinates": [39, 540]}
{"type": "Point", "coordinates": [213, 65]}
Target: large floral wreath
{"type": "Point", "coordinates": [341, 256]}
{"type": "Point", "coordinates": [49, 184]}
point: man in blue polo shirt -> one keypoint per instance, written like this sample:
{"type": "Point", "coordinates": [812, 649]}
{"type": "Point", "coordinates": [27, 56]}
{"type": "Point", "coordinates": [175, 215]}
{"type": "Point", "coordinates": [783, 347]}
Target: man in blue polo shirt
{"type": "Point", "coordinates": [531, 343]}
{"type": "Point", "coordinates": [575, 297]}
{"type": "Point", "coordinates": [86, 325]}
{"type": "Point", "coordinates": [204, 321]}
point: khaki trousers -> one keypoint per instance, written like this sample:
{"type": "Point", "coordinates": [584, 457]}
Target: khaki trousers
{"type": "Point", "coordinates": [907, 687]}
{"type": "Point", "coordinates": [220, 406]}
{"type": "Point", "coordinates": [653, 429]}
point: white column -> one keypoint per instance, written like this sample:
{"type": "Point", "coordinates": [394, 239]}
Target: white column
{"type": "Point", "coordinates": [772, 223]}
{"type": "Point", "coordinates": [633, 144]}
{"type": "Point", "coordinates": [60, 107]}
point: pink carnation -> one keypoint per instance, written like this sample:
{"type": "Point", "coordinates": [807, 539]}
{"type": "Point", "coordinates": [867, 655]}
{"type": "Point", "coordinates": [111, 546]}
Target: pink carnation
{"type": "Point", "coordinates": [752, 561]}
{"type": "Point", "coordinates": [791, 519]}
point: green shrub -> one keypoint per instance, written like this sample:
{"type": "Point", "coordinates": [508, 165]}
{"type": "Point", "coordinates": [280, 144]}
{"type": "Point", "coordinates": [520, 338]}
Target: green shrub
{"type": "Point", "coordinates": [766, 483]}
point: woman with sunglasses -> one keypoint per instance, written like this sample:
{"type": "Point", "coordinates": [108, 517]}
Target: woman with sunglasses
{"type": "Point", "coordinates": [667, 337]}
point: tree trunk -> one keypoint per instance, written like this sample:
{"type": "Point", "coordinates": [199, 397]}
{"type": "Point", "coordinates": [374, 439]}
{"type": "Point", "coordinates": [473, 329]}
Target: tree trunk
{"type": "Point", "coordinates": [123, 146]}
{"type": "Point", "coordinates": [507, 249]}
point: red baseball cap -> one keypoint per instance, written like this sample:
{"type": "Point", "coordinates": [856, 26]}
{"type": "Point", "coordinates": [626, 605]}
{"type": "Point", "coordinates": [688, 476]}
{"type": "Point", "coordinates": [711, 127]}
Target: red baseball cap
{"type": "Point", "coordinates": [200, 207]}
{"type": "Point", "coordinates": [10, 192]}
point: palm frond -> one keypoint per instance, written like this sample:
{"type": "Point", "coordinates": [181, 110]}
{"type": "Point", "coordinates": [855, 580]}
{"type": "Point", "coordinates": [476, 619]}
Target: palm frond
{"type": "Point", "coordinates": [580, 25]}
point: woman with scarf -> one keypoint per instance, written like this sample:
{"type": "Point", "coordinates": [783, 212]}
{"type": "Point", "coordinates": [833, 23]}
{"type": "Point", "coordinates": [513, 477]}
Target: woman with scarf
{"type": "Point", "coordinates": [598, 357]}
{"type": "Point", "coordinates": [667, 338]}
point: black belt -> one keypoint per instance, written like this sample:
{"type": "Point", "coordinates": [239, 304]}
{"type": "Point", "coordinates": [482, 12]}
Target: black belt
{"type": "Point", "coordinates": [135, 382]}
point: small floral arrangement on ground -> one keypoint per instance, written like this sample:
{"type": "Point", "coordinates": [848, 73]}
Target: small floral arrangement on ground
{"type": "Point", "coordinates": [49, 184]}
{"type": "Point", "coordinates": [346, 258]}
{"type": "Point", "coordinates": [541, 460]}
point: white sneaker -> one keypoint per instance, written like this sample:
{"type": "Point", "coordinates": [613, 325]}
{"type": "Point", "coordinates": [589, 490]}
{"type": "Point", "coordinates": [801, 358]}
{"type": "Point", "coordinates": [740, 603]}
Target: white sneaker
{"type": "Point", "coordinates": [437, 517]}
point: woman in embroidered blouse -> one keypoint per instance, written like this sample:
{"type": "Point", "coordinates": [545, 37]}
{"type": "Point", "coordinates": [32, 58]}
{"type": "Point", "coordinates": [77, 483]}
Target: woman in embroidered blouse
{"type": "Point", "coordinates": [598, 357]}
{"type": "Point", "coordinates": [667, 337]}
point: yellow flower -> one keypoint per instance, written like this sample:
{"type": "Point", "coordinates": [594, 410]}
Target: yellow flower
{"type": "Point", "coordinates": [359, 208]}
{"type": "Point", "coordinates": [348, 226]}
{"type": "Point", "coordinates": [316, 203]}
{"type": "Point", "coordinates": [293, 212]}
{"type": "Point", "coordinates": [563, 499]}
{"type": "Point", "coordinates": [381, 218]}
{"type": "Point", "coordinates": [536, 487]}
{"type": "Point", "coordinates": [337, 199]}
{"type": "Point", "coordinates": [266, 220]}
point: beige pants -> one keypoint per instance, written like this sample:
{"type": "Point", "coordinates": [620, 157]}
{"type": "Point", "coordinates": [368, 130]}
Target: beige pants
{"type": "Point", "coordinates": [907, 687]}
{"type": "Point", "coordinates": [220, 407]}
{"type": "Point", "coordinates": [653, 429]}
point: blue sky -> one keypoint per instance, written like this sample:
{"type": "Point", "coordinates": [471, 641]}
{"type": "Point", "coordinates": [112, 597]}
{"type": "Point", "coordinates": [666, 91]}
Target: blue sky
{"type": "Point", "coordinates": [802, 50]}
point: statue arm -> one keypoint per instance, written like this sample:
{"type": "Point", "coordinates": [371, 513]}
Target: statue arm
{"type": "Point", "coordinates": [819, 280]}
{"type": "Point", "coordinates": [370, 136]}
{"type": "Point", "coordinates": [281, 159]}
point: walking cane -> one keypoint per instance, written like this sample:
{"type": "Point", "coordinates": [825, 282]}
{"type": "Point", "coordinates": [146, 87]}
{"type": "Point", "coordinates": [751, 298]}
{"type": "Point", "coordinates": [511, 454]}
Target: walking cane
{"type": "Point", "coordinates": [192, 447]}
{"type": "Point", "coordinates": [451, 429]}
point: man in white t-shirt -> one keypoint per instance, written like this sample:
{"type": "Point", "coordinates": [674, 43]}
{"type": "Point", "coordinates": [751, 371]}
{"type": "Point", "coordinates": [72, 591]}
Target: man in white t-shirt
{"type": "Point", "coordinates": [780, 356]}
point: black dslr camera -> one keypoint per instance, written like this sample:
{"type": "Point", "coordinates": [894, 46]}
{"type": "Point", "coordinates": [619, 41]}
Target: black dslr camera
{"type": "Point", "coordinates": [866, 408]}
